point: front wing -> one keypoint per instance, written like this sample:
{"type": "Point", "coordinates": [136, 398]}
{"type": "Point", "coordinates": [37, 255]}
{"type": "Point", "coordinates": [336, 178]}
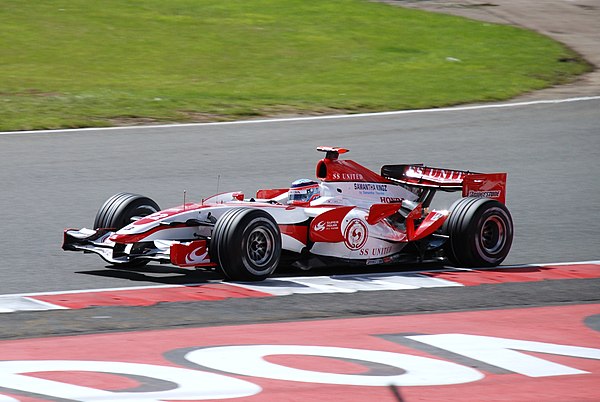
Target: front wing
{"type": "Point", "coordinates": [191, 254]}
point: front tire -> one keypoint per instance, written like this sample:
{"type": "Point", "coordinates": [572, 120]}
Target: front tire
{"type": "Point", "coordinates": [480, 233]}
{"type": "Point", "coordinates": [246, 243]}
{"type": "Point", "coordinates": [118, 211]}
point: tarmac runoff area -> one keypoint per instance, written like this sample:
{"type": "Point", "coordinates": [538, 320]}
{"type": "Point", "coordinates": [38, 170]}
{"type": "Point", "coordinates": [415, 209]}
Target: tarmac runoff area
{"type": "Point", "coordinates": [528, 354]}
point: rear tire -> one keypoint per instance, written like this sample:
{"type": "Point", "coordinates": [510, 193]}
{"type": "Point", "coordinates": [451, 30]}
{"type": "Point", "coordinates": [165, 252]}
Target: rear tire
{"type": "Point", "coordinates": [117, 212]}
{"type": "Point", "coordinates": [246, 243]}
{"type": "Point", "coordinates": [480, 233]}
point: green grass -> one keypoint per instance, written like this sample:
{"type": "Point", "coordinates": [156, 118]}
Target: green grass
{"type": "Point", "coordinates": [78, 63]}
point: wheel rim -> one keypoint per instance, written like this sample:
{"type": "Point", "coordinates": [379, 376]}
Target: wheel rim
{"type": "Point", "coordinates": [493, 235]}
{"type": "Point", "coordinates": [260, 247]}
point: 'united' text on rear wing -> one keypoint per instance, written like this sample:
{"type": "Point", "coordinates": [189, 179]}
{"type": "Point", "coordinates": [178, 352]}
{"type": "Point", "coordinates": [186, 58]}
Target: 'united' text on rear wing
{"type": "Point", "coordinates": [488, 185]}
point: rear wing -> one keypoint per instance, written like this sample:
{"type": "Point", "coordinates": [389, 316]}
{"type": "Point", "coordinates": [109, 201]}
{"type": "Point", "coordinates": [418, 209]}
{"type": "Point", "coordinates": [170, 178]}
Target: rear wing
{"type": "Point", "coordinates": [487, 185]}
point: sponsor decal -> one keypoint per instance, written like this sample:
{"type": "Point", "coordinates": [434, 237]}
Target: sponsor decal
{"type": "Point", "coordinates": [389, 200]}
{"type": "Point", "coordinates": [484, 194]}
{"type": "Point", "coordinates": [319, 227]}
{"type": "Point", "coordinates": [441, 175]}
{"type": "Point", "coordinates": [356, 234]}
{"type": "Point", "coordinates": [192, 254]}
{"type": "Point", "coordinates": [370, 189]}
{"type": "Point", "coordinates": [347, 176]}
{"type": "Point", "coordinates": [198, 255]}
{"type": "Point", "coordinates": [376, 251]}
{"type": "Point", "coordinates": [327, 227]}
{"type": "Point", "coordinates": [488, 185]}
{"type": "Point", "coordinates": [370, 186]}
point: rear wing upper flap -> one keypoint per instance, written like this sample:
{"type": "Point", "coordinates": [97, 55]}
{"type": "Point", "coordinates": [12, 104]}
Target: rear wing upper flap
{"type": "Point", "coordinates": [472, 184]}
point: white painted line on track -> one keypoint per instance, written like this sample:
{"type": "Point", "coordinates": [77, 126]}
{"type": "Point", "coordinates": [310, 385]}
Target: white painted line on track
{"type": "Point", "coordinates": [350, 283]}
{"type": "Point", "coordinates": [294, 278]}
{"type": "Point", "coordinates": [11, 304]}
{"type": "Point", "coordinates": [311, 118]}
{"type": "Point", "coordinates": [77, 291]}
{"type": "Point", "coordinates": [554, 264]}
{"type": "Point", "coordinates": [280, 286]}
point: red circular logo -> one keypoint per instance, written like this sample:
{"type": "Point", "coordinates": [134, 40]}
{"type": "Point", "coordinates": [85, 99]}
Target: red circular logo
{"type": "Point", "coordinates": [356, 234]}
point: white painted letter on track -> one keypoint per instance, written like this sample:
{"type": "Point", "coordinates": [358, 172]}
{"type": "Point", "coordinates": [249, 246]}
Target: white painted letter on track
{"type": "Point", "coordinates": [505, 353]}
{"type": "Point", "coordinates": [408, 370]}
{"type": "Point", "coordinates": [187, 384]}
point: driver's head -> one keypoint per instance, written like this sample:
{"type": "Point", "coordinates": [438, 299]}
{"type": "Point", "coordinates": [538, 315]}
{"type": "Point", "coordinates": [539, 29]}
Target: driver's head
{"type": "Point", "coordinates": [303, 191]}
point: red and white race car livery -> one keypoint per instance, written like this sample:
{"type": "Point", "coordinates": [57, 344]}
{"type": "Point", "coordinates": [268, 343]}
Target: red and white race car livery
{"type": "Point", "coordinates": [348, 215]}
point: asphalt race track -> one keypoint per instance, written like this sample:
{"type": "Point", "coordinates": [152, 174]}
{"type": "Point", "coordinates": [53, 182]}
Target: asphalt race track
{"type": "Point", "coordinates": [467, 343]}
{"type": "Point", "coordinates": [56, 180]}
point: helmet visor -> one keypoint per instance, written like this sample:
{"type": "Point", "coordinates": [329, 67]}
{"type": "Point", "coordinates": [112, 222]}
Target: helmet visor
{"type": "Point", "coordinates": [303, 194]}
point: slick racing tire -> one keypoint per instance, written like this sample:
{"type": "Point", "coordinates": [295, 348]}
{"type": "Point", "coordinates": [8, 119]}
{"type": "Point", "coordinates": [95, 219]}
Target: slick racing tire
{"type": "Point", "coordinates": [246, 244]}
{"type": "Point", "coordinates": [119, 209]}
{"type": "Point", "coordinates": [480, 232]}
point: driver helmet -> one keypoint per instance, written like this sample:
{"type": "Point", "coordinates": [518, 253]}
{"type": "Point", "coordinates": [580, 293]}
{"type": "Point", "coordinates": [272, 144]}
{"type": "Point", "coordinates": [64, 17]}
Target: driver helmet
{"type": "Point", "coordinates": [303, 191]}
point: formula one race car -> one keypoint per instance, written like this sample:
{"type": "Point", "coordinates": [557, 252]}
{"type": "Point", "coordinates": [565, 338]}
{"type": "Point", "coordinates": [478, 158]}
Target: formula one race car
{"type": "Point", "coordinates": [350, 215]}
